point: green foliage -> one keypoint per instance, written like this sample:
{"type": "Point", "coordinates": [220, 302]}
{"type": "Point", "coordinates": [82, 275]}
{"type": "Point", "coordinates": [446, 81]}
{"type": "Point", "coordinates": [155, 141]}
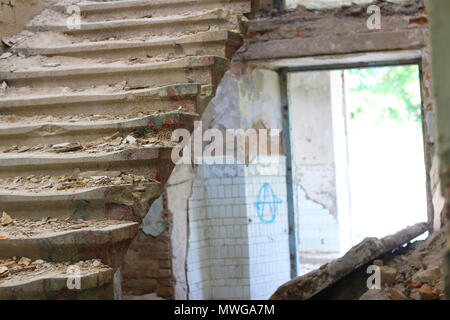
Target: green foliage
{"type": "Point", "coordinates": [389, 92]}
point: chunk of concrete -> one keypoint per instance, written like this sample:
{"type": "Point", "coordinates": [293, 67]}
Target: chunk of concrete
{"type": "Point", "coordinates": [388, 275]}
{"type": "Point", "coordinates": [427, 276]}
{"type": "Point", "coordinates": [397, 295]}
{"type": "Point", "coordinates": [375, 294]}
{"type": "Point", "coordinates": [153, 223]}
{"type": "Point", "coordinates": [426, 293]}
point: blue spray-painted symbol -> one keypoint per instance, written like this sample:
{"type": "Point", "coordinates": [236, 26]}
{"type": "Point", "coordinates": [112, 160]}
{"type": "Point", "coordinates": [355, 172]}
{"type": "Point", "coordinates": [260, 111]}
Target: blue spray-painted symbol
{"type": "Point", "coordinates": [267, 200]}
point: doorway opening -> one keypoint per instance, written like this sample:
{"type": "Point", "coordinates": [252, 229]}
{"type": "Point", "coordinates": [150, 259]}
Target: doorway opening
{"type": "Point", "coordinates": [386, 153]}
{"type": "Point", "coordinates": [358, 160]}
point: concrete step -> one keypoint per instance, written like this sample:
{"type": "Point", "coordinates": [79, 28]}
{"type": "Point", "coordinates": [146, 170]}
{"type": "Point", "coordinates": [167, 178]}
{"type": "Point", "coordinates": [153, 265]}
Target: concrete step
{"type": "Point", "coordinates": [217, 19]}
{"type": "Point", "coordinates": [152, 162]}
{"type": "Point", "coordinates": [89, 131]}
{"type": "Point", "coordinates": [216, 43]}
{"type": "Point", "coordinates": [114, 202]}
{"type": "Point", "coordinates": [94, 11]}
{"type": "Point", "coordinates": [56, 281]}
{"type": "Point", "coordinates": [60, 102]}
{"type": "Point", "coordinates": [203, 70]}
{"type": "Point", "coordinates": [60, 240]}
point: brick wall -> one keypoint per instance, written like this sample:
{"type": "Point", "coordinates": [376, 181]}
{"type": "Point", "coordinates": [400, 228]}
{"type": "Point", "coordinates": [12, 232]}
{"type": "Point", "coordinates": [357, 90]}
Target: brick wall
{"type": "Point", "coordinates": [147, 267]}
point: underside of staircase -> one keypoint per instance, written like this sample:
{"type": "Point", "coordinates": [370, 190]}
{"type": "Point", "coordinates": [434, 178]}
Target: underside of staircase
{"type": "Point", "coordinates": [86, 117]}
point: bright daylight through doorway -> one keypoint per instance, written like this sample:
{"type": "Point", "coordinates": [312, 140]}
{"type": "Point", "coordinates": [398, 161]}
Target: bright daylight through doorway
{"type": "Point", "coordinates": [386, 154]}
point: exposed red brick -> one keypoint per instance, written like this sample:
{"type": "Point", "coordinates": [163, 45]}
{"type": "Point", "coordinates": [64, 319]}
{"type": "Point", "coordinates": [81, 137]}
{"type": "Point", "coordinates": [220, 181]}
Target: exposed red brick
{"type": "Point", "coordinates": [419, 20]}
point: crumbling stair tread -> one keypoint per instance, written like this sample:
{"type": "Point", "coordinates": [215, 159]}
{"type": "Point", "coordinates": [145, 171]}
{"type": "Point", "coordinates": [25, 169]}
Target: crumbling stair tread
{"type": "Point", "coordinates": [38, 161]}
{"type": "Point", "coordinates": [22, 230]}
{"type": "Point", "coordinates": [132, 200]}
{"type": "Point", "coordinates": [61, 240]}
{"type": "Point", "coordinates": [49, 280]}
{"type": "Point", "coordinates": [116, 67]}
{"type": "Point", "coordinates": [103, 126]}
{"type": "Point", "coordinates": [39, 96]}
{"type": "Point", "coordinates": [78, 180]}
{"type": "Point", "coordinates": [126, 4]}
{"type": "Point", "coordinates": [81, 193]}
{"type": "Point", "coordinates": [83, 47]}
{"type": "Point", "coordinates": [215, 14]}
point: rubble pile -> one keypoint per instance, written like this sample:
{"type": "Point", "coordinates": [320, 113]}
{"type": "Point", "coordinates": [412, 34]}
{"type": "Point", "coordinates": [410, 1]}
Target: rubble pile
{"type": "Point", "coordinates": [413, 272]}
{"type": "Point", "coordinates": [344, 270]}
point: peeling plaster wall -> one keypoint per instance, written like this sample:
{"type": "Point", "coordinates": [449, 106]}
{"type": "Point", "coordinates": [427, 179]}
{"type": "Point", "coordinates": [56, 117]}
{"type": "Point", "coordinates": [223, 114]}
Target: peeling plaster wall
{"type": "Point", "coordinates": [313, 162]}
{"type": "Point", "coordinates": [15, 14]}
{"type": "Point", "coordinates": [245, 97]}
{"type": "Point", "coordinates": [312, 137]}
{"type": "Point", "coordinates": [320, 163]}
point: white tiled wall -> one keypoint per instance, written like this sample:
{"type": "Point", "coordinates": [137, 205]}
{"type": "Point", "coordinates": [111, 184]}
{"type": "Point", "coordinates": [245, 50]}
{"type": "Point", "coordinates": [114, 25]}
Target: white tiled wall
{"type": "Point", "coordinates": [318, 230]}
{"type": "Point", "coordinates": [232, 254]}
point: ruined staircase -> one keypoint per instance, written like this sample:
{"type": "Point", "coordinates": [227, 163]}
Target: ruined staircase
{"type": "Point", "coordinates": [86, 117]}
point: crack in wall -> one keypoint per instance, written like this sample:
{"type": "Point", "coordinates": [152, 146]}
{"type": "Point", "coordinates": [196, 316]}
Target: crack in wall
{"type": "Point", "coordinates": [332, 210]}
